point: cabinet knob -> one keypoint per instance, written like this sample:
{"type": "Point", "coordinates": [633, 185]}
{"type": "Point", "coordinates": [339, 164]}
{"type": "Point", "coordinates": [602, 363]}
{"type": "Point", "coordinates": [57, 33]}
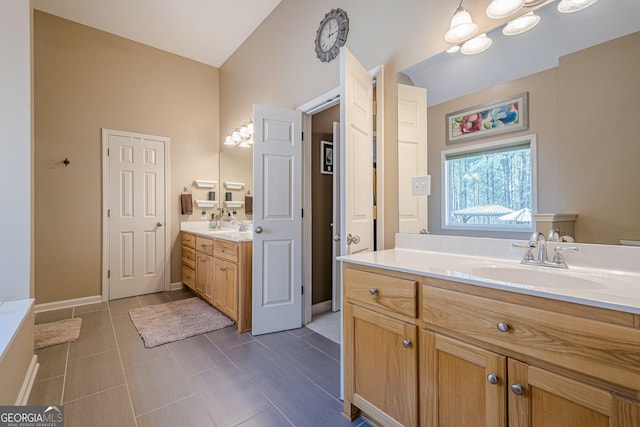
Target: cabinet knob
{"type": "Point", "coordinates": [503, 327]}
{"type": "Point", "coordinates": [373, 291]}
{"type": "Point", "coordinates": [492, 378]}
{"type": "Point", "coordinates": [517, 389]}
{"type": "Point", "coordinates": [406, 343]}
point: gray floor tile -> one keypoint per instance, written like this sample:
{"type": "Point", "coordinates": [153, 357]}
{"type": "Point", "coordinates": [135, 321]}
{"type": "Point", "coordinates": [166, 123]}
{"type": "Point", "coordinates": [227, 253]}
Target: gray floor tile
{"type": "Point", "coordinates": [300, 331]}
{"type": "Point", "coordinates": [53, 316]}
{"type": "Point", "coordinates": [324, 344]}
{"type": "Point", "coordinates": [124, 327]}
{"type": "Point", "coordinates": [228, 395]}
{"type": "Point", "coordinates": [110, 408]}
{"type": "Point", "coordinates": [94, 320]}
{"type": "Point", "coordinates": [90, 308]}
{"type": "Point", "coordinates": [52, 360]}
{"type": "Point", "coordinates": [187, 412]}
{"type": "Point", "coordinates": [227, 338]}
{"type": "Point", "coordinates": [319, 368]}
{"type": "Point", "coordinates": [283, 343]}
{"type": "Point", "coordinates": [121, 307]}
{"type": "Point", "coordinates": [258, 362]}
{"type": "Point", "coordinates": [133, 352]}
{"type": "Point", "coordinates": [92, 374]}
{"type": "Point", "coordinates": [269, 418]}
{"type": "Point", "coordinates": [181, 296]}
{"type": "Point", "coordinates": [93, 342]}
{"type": "Point", "coordinates": [156, 384]}
{"type": "Point", "coordinates": [196, 354]}
{"type": "Point", "coordinates": [153, 299]}
{"type": "Point", "coordinates": [47, 392]}
{"type": "Point", "coordinates": [180, 293]}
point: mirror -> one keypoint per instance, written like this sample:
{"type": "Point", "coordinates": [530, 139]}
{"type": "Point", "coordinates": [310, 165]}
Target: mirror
{"type": "Point", "coordinates": [236, 166]}
{"type": "Point", "coordinates": [580, 72]}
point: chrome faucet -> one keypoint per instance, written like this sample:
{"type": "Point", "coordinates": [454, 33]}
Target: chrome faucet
{"type": "Point", "coordinates": [537, 240]}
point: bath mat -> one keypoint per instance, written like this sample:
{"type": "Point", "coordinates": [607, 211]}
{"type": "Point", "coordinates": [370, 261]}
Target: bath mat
{"type": "Point", "coordinates": [48, 334]}
{"type": "Point", "coordinates": [176, 320]}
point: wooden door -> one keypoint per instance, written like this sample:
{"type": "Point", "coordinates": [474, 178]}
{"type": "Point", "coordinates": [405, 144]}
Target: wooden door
{"type": "Point", "coordinates": [225, 295]}
{"type": "Point", "coordinates": [382, 357]}
{"type": "Point", "coordinates": [134, 253]}
{"type": "Point", "coordinates": [465, 385]}
{"type": "Point", "coordinates": [277, 220]}
{"type": "Point", "coordinates": [539, 398]}
{"type": "Point", "coordinates": [204, 275]}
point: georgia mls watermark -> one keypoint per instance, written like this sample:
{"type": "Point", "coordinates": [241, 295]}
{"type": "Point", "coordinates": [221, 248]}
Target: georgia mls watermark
{"type": "Point", "coordinates": [31, 416]}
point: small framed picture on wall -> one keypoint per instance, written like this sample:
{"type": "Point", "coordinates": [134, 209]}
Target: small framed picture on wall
{"type": "Point", "coordinates": [326, 157]}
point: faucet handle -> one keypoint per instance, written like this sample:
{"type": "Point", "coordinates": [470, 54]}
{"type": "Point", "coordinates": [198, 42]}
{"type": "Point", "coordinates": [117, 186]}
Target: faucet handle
{"type": "Point", "coordinates": [557, 257]}
{"type": "Point", "coordinates": [528, 255]}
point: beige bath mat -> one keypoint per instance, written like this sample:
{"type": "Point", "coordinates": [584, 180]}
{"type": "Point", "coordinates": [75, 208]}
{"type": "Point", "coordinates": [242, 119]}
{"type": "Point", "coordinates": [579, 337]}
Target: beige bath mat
{"type": "Point", "coordinates": [48, 334]}
{"type": "Point", "coordinates": [176, 320]}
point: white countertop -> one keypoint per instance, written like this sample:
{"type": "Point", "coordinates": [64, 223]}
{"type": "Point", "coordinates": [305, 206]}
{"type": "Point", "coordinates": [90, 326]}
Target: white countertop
{"type": "Point", "coordinates": [455, 258]}
{"type": "Point", "coordinates": [227, 231]}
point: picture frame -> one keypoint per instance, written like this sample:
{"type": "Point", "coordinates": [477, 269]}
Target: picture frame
{"type": "Point", "coordinates": [495, 118]}
{"type": "Point", "coordinates": [326, 157]}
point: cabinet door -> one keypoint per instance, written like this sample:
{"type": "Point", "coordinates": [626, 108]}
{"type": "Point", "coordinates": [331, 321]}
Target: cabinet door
{"type": "Point", "coordinates": [539, 398]}
{"type": "Point", "coordinates": [225, 295]}
{"type": "Point", "coordinates": [381, 356]}
{"type": "Point", "coordinates": [204, 275]}
{"type": "Point", "coordinates": [464, 385]}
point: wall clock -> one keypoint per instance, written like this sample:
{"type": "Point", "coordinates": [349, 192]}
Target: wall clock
{"type": "Point", "coordinates": [332, 34]}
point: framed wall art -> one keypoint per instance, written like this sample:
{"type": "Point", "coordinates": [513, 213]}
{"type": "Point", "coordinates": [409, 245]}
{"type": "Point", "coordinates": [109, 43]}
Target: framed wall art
{"type": "Point", "coordinates": [496, 118]}
{"type": "Point", "coordinates": [326, 157]}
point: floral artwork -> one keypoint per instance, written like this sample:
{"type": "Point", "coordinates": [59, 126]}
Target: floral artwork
{"type": "Point", "coordinates": [500, 117]}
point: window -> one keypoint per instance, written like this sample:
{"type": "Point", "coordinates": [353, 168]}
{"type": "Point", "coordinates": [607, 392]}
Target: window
{"type": "Point", "coordinates": [490, 186]}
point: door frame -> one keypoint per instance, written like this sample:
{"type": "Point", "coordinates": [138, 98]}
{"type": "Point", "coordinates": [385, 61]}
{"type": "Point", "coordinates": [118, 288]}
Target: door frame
{"type": "Point", "coordinates": [316, 105]}
{"type": "Point", "coordinates": [166, 141]}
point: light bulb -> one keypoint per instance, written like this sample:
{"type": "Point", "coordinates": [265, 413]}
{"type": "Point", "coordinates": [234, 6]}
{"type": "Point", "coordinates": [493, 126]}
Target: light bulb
{"type": "Point", "coordinates": [453, 49]}
{"type": "Point", "coordinates": [476, 45]}
{"type": "Point", "coordinates": [499, 9]}
{"type": "Point", "coordinates": [521, 24]}
{"type": "Point", "coordinates": [570, 6]}
{"type": "Point", "coordinates": [462, 27]}
{"type": "Point", "coordinates": [229, 141]}
{"type": "Point", "coordinates": [236, 136]}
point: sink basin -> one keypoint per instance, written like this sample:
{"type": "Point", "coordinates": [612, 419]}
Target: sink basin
{"type": "Point", "coordinates": [538, 277]}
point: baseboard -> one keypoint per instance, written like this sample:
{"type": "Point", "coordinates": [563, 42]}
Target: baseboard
{"type": "Point", "coordinates": [175, 286]}
{"type": "Point", "coordinates": [56, 305]}
{"type": "Point", "coordinates": [27, 384]}
{"type": "Point", "coordinates": [321, 307]}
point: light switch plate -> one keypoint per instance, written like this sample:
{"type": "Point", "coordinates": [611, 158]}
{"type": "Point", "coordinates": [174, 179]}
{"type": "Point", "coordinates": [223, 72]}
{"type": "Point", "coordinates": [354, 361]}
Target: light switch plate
{"type": "Point", "coordinates": [421, 185]}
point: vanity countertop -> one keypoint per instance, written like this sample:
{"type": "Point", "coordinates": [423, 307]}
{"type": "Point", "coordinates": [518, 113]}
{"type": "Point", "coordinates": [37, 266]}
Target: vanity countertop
{"type": "Point", "coordinates": [202, 228]}
{"type": "Point", "coordinates": [457, 258]}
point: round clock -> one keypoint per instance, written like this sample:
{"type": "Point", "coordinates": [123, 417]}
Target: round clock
{"type": "Point", "coordinates": [332, 34]}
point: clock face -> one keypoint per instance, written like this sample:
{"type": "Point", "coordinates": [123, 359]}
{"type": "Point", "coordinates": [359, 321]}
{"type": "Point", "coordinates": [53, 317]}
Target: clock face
{"type": "Point", "coordinates": [331, 34]}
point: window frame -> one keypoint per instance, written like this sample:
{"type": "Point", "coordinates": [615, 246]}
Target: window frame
{"type": "Point", "coordinates": [480, 148]}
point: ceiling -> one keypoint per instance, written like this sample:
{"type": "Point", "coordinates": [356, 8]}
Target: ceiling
{"type": "Point", "coordinates": [207, 31]}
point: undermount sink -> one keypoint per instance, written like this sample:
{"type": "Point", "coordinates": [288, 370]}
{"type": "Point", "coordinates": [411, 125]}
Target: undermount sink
{"type": "Point", "coordinates": [532, 276]}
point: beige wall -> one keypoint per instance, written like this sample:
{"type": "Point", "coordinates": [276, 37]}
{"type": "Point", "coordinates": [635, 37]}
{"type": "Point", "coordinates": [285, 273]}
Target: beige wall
{"type": "Point", "coordinates": [277, 65]}
{"type": "Point", "coordinates": [86, 80]}
{"type": "Point", "coordinates": [582, 113]}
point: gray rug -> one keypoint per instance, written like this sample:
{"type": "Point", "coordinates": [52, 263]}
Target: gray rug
{"type": "Point", "coordinates": [176, 320]}
{"type": "Point", "coordinates": [48, 334]}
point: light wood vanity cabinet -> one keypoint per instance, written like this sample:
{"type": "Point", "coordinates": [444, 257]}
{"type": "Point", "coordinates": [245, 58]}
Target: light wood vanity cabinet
{"type": "Point", "coordinates": [380, 345]}
{"type": "Point", "coordinates": [219, 271]}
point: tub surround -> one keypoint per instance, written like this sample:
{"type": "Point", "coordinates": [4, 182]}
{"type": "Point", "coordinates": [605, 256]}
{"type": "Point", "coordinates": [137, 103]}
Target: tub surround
{"type": "Point", "coordinates": [611, 273]}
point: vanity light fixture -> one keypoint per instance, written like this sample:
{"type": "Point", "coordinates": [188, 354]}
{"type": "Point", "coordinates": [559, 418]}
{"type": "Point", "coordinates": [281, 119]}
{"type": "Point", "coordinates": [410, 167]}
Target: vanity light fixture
{"type": "Point", "coordinates": [236, 136]}
{"type": "Point", "coordinates": [453, 49]}
{"type": "Point", "coordinates": [499, 9]}
{"type": "Point", "coordinates": [570, 6]}
{"type": "Point", "coordinates": [244, 144]}
{"type": "Point", "coordinates": [476, 45]}
{"type": "Point", "coordinates": [462, 27]}
{"type": "Point", "coordinates": [229, 141]}
{"type": "Point", "coordinates": [521, 24]}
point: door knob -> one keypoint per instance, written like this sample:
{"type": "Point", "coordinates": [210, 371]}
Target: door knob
{"type": "Point", "coordinates": [158, 224]}
{"type": "Point", "coordinates": [353, 239]}
{"type": "Point", "coordinates": [336, 238]}
{"type": "Point", "coordinates": [258, 230]}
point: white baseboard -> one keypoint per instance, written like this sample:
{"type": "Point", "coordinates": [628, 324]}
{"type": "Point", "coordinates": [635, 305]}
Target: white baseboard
{"type": "Point", "coordinates": [27, 384]}
{"type": "Point", "coordinates": [40, 308]}
{"type": "Point", "coordinates": [321, 307]}
{"type": "Point", "coordinates": [176, 286]}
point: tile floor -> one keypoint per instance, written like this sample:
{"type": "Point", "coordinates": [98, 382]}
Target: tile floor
{"type": "Point", "coordinates": [108, 378]}
{"type": "Point", "coordinates": [328, 325]}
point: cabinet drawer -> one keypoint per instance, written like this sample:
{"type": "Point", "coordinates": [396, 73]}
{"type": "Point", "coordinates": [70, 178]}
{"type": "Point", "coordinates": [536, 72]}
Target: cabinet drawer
{"type": "Point", "coordinates": [226, 250]}
{"type": "Point", "coordinates": [377, 290]}
{"type": "Point", "coordinates": [602, 350]}
{"type": "Point", "coordinates": [188, 240]}
{"type": "Point", "coordinates": [188, 277]}
{"type": "Point", "coordinates": [204, 245]}
{"type": "Point", "coordinates": [189, 257]}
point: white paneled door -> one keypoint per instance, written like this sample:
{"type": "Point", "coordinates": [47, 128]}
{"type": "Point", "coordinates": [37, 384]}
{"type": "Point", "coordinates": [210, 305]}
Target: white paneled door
{"type": "Point", "coordinates": [356, 156]}
{"type": "Point", "coordinates": [135, 214]}
{"type": "Point", "coordinates": [277, 220]}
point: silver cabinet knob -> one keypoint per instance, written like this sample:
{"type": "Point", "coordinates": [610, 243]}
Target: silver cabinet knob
{"type": "Point", "coordinates": [158, 224]}
{"type": "Point", "coordinates": [373, 291]}
{"type": "Point", "coordinates": [258, 230]}
{"type": "Point", "coordinates": [517, 389]}
{"type": "Point", "coordinates": [492, 378]}
{"type": "Point", "coordinates": [503, 327]}
{"type": "Point", "coordinates": [336, 238]}
{"type": "Point", "coordinates": [406, 343]}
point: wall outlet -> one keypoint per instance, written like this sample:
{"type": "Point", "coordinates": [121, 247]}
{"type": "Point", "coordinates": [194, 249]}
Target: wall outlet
{"type": "Point", "coordinates": [421, 185]}
{"type": "Point", "coordinates": [203, 215]}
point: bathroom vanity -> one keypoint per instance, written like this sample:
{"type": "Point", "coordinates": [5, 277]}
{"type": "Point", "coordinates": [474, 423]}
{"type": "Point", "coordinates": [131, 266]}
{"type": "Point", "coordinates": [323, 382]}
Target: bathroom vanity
{"type": "Point", "coordinates": [430, 341]}
{"type": "Point", "coordinates": [216, 266]}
